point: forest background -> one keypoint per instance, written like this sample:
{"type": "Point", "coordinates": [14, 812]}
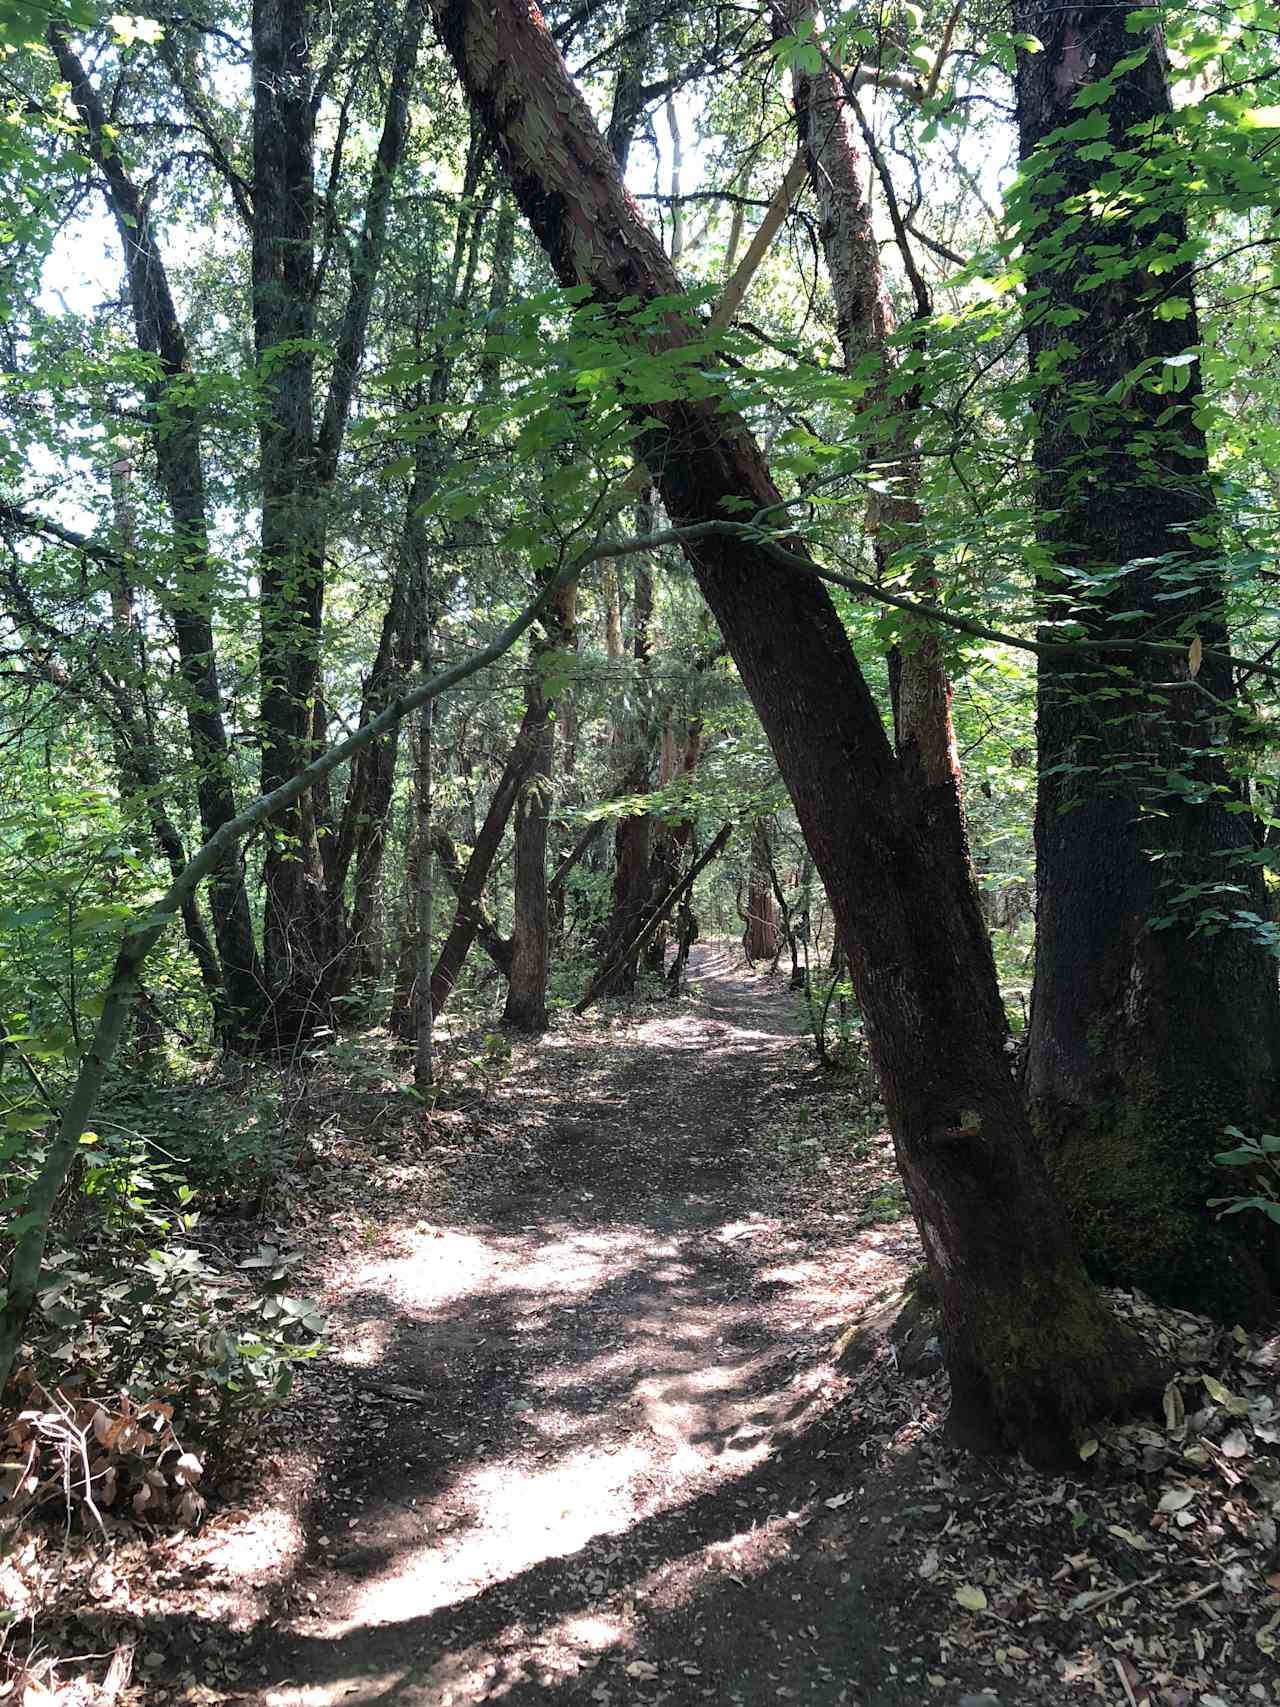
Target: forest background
{"type": "Point", "coordinates": [487, 494]}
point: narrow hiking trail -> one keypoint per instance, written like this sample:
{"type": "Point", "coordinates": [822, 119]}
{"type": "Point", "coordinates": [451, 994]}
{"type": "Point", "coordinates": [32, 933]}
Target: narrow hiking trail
{"type": "Point", "coordinates": [581, 1436]}
{"type": "Point", "coordinates": [592, 1418]}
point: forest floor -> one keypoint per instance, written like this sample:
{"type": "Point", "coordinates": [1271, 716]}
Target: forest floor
{"type": "Point", "coordinates": [582, 1435]}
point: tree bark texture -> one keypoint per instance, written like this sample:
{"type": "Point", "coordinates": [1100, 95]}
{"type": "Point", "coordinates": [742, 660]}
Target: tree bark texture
{"type": "Point", "coordinates": [1032, 1351]}
{"type": "Point", "coordinates": [864, 326]}
{"type": "Point", "coordinates": [1144, 1042]}
{"type": "Point", "coordinates": [291, 572]}
{"type": "Point", "coordinates": [760, 936]}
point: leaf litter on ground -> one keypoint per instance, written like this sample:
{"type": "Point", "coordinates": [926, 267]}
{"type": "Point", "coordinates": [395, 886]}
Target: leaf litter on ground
{"type": "Point", "coordinates": [1150, 1577]}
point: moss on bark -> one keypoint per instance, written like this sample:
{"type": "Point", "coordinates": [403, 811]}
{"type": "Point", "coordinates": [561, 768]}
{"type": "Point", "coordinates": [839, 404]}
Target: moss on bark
{"type": "Point", "coordinates": [1137, 1180]}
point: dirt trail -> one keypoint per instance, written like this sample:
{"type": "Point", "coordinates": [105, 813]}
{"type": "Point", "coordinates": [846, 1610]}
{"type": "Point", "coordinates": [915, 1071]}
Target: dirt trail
{"type": "Point", "coordinates": [594, 1430]}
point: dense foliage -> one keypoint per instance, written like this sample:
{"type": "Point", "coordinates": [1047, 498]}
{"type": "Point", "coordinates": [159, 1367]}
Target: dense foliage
{"type": "Point", "coordinates": [293, 412]}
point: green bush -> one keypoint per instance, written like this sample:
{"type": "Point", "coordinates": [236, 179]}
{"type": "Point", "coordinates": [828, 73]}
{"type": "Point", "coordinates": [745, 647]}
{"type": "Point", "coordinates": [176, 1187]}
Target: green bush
{"type": "Point", "coordinates": [1262, 1156]}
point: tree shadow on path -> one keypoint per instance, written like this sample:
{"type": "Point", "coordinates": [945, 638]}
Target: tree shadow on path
{"type": "Point", "coordinates": [595, 1447]}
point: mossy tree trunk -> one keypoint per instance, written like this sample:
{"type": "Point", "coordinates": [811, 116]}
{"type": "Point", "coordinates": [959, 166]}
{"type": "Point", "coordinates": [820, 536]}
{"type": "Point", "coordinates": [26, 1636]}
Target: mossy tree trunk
{"type": "Point", "coordinates": [1152, 1025]}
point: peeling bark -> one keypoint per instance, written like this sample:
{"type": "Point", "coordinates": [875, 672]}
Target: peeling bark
{"type": "Point", "coordinates": [864, 326]}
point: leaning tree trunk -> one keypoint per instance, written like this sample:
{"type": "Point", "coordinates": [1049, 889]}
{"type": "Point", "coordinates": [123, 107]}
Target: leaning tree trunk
{"type": "Point", "coordinates": [491, 940]}
{"type": "Point", "coordinates": [466, 921]}
{"type": "Point", "coordinates": [1128, 1092]}
{"type": "Point", "coordinates": [1032, 1351]}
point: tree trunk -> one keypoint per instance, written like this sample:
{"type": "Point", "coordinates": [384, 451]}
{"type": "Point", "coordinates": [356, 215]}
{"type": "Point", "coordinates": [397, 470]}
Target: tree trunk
{"type": "Point", "coordinates": [299, 465]}
{"type": "Point", "coordinates": [657, 915]}
{"type": "Point", "coordinates": [635, 55]}
{"type": "Point", "coordinates": [362, 829]}
{"type": "Point", "coordinates": [1129, 1097]}
{"type": "Point", "coordinates": [362, 832]}
{"type": "Point", "coordinates": [141, 785]}
{"type": "Point", "coordinates": [679, 752]}
{"type": "Point", "coordinates": [496, 946]}
{"type": "Point", "coordinates": [142, 934]}
{"type": "Point", "coordinates": [424, 893]}
{"type": "Point", "coordinates": [457, 945]}
{"type": "Point", "coordinates": [799, 927]}
{"type": "Point", "coordinates": [567, 866]}
{"type": "Point", "coordinates": [291, 574]}
{"type": "Point", "coordinates": [633, 837]}
{"type": "Point", "coordinates": [179, 461]}
{"type": "Point", "coordinates": [526, 1006]}
{"type": "Point", "coordinates": [864, 326]}
{"type": "Point", "coordinates": [760, 938]}
{"type": "Point", "coordinates": [787, 932]}
{"type": "Point", "coordinates": [1033, 1354]}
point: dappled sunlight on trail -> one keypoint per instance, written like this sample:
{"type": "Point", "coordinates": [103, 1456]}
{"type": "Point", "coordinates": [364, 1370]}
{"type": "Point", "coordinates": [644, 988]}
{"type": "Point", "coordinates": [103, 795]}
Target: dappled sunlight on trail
{"type": "Point", "coordinates": [577, 1406]}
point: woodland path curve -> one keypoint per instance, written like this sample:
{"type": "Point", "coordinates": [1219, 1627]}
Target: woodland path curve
{"type": "Point", "coordinates": [596, 1430]}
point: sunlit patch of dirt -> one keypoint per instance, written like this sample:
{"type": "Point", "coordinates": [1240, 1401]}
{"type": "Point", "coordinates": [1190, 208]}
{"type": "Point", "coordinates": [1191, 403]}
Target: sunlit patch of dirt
{"type": "Point", "coordinates": [572, 1386]}
{"type": "Point", "coordinates": [586, 1435]}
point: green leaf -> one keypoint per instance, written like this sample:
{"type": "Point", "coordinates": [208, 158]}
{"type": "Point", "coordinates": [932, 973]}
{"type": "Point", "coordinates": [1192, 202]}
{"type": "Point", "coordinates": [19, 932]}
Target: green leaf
{"type": "Point", "coordinates": [129, 29]}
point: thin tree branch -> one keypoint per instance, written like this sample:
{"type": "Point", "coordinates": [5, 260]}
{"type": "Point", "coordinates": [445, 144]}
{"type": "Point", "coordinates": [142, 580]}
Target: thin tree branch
{"type": "Point", "coordinates": [349, 354]}
{"type": "Point", "coordinates": [758, 248]}
{"type": "Point", "coordinates": [193, 100]}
